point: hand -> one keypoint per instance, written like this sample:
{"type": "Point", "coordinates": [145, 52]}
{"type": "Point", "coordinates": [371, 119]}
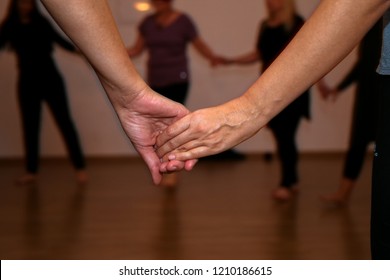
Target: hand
{"type": "Point", "coordinates": [324, 90]}
{"type": "Point", "coordinates": [208, 131]}
{"type": "Point", "coordinates": [145, 117]}
{"type": "Point", "coordinates": [219, 60]}
{"type": "Point", "coordinates": [328, 93]}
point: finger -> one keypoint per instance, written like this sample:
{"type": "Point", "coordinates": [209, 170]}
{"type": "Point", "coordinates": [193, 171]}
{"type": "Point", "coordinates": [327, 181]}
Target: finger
{"type": "Point", "coordinates": [174, 166]}
{"type": "Point", "coordinates": [153, 162]}
{"type": "Point", "coordinates": [191, 154]}
{"type": "Point", "coordinates": [189, 164]}
{"type": "Point", "coordinates": [163, 167]}
{"type": "Point", "coordinates": [184, 141]}
{"type": "Point", "coordinates": [172, 131]}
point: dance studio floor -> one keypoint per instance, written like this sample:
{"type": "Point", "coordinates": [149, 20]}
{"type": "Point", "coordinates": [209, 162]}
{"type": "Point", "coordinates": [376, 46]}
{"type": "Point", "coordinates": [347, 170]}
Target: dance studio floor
{"type": "Point", "coordinates": [222, 210]}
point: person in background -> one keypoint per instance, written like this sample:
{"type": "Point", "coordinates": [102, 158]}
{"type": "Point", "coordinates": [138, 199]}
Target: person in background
{"type": "Point", "coordinates": [32, 38]}
{"type": "Point", "coordinates": [365, 111]}
{"type": "Point", "coordinates": [326, 38]}
{"type": "Point", "coordinates": [165, 35]}
{"type": "Point", "coordinates": [169, 138]}
{"type": "Point", "coordinates": [143, 113]}
{"type": "Point", "coordinates": [275, 32]}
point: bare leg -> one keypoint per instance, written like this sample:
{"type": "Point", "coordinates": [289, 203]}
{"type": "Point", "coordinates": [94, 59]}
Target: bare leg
{"type": "Point", "coordinates": [81, 177]}
{"type": "Point", "coordinates": [285, 194]}
{"type": "Point", "coordinates": [27, 179]}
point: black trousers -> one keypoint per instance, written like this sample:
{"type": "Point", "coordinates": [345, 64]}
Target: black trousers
{"type": "Point", "coordinates": [380, 208]}
{"type": "Point", "coordinates": [364, 123]}
{"type": "Point", "coordinates": [284, 130]}
{"type": "Point", "coordinates": [175, 92]}
{"type": "Point", "coordinates": [32, 95]}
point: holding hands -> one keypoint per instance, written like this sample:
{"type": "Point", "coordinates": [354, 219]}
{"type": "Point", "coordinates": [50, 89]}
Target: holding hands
{"type": "Point", "coordinates": [143, 119]}
{"type": "Point", "coordinates": [327, 92]}
{"type": "Point", "coordinates": [207, 132]}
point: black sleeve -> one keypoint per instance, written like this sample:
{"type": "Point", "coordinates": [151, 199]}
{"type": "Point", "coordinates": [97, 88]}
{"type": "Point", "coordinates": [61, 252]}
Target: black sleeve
{"type": "Point", "coordinates": [4, 35]}
{"type": "Point", "coordinates": [57, 38]}
{"type": "Point", "coordinates": [351, 77]}
{"type": "Point", "coordinates": [260, 31]}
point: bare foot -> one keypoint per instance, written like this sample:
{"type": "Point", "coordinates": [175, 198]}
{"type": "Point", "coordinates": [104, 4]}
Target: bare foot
{"type": "Point", "coordinates": [282, 194]}
{"type": "Point", "coordinates": [27, 179]}
{"type": "Point", "coordinates": [169, 180]}
{"type": "Point", "coordinates": [81, 177]}
{"type": "Point", "coordinates": [342, 194]}
{"type": "Point", "coordinates": [336, 198]}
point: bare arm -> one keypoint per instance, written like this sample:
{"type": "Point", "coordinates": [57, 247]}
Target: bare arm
{"type": "Point", "coordinates": [137, 48]}
{"type": "Point", "coordinates": [325, 39]}
{"type": "Point", "coordinates": [248, 58]}
{"type": "Point", "coordinates": [142, 112]}
{"type": "Point", "coordinates": [205, 50]}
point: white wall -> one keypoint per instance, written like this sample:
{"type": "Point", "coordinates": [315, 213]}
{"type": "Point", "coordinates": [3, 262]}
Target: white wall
{"type": "Point", "coordinates": [230, 28]}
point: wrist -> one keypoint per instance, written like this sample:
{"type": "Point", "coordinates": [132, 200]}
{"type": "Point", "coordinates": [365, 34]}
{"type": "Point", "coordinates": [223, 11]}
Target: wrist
{"type": "Point", "coordinates": [242, 116]}
{"type": "Point", "coordinates": [257, 108]}
{"type": "Point", "coordinates": [122, 95]}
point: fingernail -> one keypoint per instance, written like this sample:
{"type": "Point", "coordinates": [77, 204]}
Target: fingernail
{"type": "Point", "coordinates": [171, 157]}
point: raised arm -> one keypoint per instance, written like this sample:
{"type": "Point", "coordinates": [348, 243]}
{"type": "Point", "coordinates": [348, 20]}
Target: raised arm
{"type": "Point", "coordinates": [143, 113]}
{"type": "Point", "coordinates": [205, 51]}
{"type": "Point", "coordinates": [325, 39]}
{"type": "Point", "coordinates": [91, 26]}
{"type": "Point", "coordinates": [248, 58]}
{"type": "Point", "coordinates": [137, 48]}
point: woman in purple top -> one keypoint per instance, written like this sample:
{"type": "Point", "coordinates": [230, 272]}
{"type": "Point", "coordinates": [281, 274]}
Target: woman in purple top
{"type": "Point", "coordinates": [165, 35]}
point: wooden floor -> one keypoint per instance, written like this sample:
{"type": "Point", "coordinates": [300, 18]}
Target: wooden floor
{"type": "Point", "coordinates": [222, 210]}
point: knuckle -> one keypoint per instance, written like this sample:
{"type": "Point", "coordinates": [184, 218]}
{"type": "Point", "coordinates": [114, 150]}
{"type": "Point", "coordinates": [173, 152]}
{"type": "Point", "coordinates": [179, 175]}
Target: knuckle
{"type": "Point", "coordinates": [170, 132]}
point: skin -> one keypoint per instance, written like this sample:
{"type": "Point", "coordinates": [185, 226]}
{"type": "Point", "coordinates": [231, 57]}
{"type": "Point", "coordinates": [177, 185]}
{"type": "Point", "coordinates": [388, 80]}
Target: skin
{"type": "Point", "coordinates": [142, 112]}
{"type": "Point", "coordinates": [325, 39]}
{"type": "Point", "coordinates": [165, 15]}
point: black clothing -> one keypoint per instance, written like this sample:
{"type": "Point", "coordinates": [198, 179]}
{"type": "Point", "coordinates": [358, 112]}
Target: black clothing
{"type": "Point", "coordinates": [33, 43]}
{"type": "Point", "coordinates": [365, 110]}
{"type": "Point", "coordinates": [271, 42]}
{"type": "Point", "coordinates": [380, 206]}
{"type": "Point", "coordinates": [39, 81]}
{"type": "Point", "coordinates": [175, 92]}
{"type": "Point", "coordinates": [284, 131]}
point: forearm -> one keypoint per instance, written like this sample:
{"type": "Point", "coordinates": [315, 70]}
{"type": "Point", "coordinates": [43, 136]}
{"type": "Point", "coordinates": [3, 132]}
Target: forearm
{"type": "Point", "coordinates": [203, 49]}
{"type": "Point", "coordinates": [90, 25]}
{"type": "Point", "coordinates": [137, 48]}
{"type": "Point", "coordinates": [247, 58]}
{"type": "Point", "coordinates": [328, 36]}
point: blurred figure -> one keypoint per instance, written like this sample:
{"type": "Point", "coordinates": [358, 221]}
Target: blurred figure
{"type": "Point", "coordinates": [165, 35]}
{"type": "Point", "coordinates": [364, 113]}
{"type": "Point", "coordinates": [275, 33]}
{"type": "Point", "coordinates": [30, 35]}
